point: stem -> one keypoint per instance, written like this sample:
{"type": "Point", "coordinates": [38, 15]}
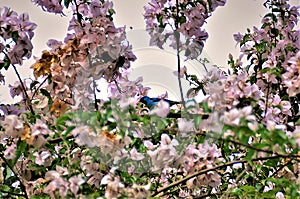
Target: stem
{"type": "Point", "coordinates": [35, 92]}
{"type": "Point", "coordinates": [177, 37]}
{"type": "Point", "coordinates": [23, 188]}
{"type": "Point", "coordinates": [60, 139]}
{"type": "Point", "coordinates": [22, 85]}
{"type": "Point", "coordinates": [267, 99]}
{"type": "Point", "coordinates": [24, 90]}
{"type": "Point", "coordinates": [79, 16]}
{"type": "Point", "coordinates": [95, 97]}
{"type": "Point", "coordinates": [203, 64]}
{"type": "Point", "coordinates": [118, 87]}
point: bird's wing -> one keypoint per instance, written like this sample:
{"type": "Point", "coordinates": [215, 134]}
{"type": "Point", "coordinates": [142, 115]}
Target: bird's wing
{"type": "Point", "coordinates": [155, 99]}
{"type": "Point", "coordinates": [171, 103]}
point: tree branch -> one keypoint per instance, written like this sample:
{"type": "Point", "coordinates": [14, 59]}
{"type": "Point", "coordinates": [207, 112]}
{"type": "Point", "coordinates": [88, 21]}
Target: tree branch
{"type": "Point", "coordinates": [211, 169]}
{"type": "Point", "coordinates": [177, 37]}
{"type": "Point", "coordinates": [24, 90]}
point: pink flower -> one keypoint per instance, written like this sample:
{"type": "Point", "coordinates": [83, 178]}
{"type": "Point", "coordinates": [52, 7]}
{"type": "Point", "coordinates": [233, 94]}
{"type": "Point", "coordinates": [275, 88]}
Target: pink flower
{"type": "Point", "coordinates": [164, 154]}
{"type": "Point", "coordinates": [114, 186]}
{"type": "Point", "coordinates": [135, 155]}
{"type": "Point", "coordinates": [40, 128]}
{"type": "Point", "coordinates": [52, 6]}
{"type": "Point", "coordinates": [160, 19]}
{"type": "Point", "coordinates": [185, 126]}
{"type": "Point", "coordinates": [182, 72]}
{"type": "Point", "coordinates": [40, 158]}
{"type": "Point", "coordinates": [57, 184]}
{"type": "Point", "coordinates": [15, 90]}
{"type": "Point", "coordinates": [166, 141]}
{"type": "Point", "coordinates": [13, 126]}
{"type": "Point", "coordinates": [280, 195]}
{"type": "Point", "coordinates": [131, 169]}
{"type": "Point", "coordinates": [238, 37]}
{"type": "Point", "coordinates": [75, 182]}
{"type": "Point", "coordinates": [286, 108]}
{"type": "Point", "coordinates": [10, 151]}
{"type": "Point", "coordinates": [17, 32]}
{"type": "Point", "coordinates": [162, 109]}
{"type": "Point", "coordinates": [85, 136]}
{"type": "Point", "coordinates": [232, 117]}
{"type": "Point", "coordinates": [149, 145]}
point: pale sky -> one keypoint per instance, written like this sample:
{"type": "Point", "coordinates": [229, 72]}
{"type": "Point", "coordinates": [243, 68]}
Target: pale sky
{"type": "Point", "coordinates": [235, 16]}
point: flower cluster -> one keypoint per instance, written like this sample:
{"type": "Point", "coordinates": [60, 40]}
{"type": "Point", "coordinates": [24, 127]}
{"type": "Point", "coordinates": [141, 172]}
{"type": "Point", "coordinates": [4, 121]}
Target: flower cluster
{"type": "Point", "coordinates": [240, 141]}
{"type": "Point", "coordinates": [16, 32]}
{"type": "Point", "coordinates": [180, 23]}
{"type": "Point", "coordinates": [227, 92]}
{"type": "Point", "coordinates": [198, 158]}
{"type": "Point", "coordinates": [93, 49]}
{"type": "Point", "coordinates": [52, 6]}
{"type": "Point", "coordinates": [62, 64]}
{"type": "Point", "coordinates": [163, 154]}
{"type": "Point", "coordinates": [291, 78]}
{"type": "Point", "coordinates": [60, 185]}
{"type": "Point", "coordinates": [126, 91]}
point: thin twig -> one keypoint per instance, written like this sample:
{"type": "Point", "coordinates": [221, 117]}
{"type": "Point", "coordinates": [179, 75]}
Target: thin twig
{"type": "Point", "coordinates": [24, 90]}
{"type": "Point", "coordinates": [22, 85]}
{"type": "Point", "coordinates": [23, 188]}
{"type": "Point", "coordinates": [118, 87]}
{"type": "Point", "coordinates": [267, 99]}
{"type": "Point", "coordinates": [35, 92]}
{"type": "Point", "coordinates": [95, 94]}
{"type": "Point", "coordinates": [280, 168]}
{"type": "Point", "coordinates": [59, 139]}
{"type": "Point", "coordinates": [79, 16]}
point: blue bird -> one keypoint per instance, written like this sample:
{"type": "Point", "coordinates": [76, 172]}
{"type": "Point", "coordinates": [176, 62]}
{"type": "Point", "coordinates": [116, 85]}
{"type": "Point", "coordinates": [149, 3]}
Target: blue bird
{"type": "Point", "coordinates": [152, 102]}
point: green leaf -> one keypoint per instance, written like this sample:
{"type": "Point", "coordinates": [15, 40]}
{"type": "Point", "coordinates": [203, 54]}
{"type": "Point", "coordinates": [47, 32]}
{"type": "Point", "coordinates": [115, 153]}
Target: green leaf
{"type": "Point", "coordinates": [5, 188]}
{"type": "Point", "coordinates": [250, 155]}
{"type": "Point", "coordinates": [21, 148]}
{"type": "Point", "coordinates": [248, 189]}
{"type": "Point", "coordinates": [298, 122]}
{"type": "Point", "coordinates": [182, 20]}
{"type": "Point", "coordinates": [245, 39]}
{"type": "Point", "coordinates": [111, 12]}
{"type": "Point", "coordinates": [15, 36]}
{"type": "Point", "coordinates": [272, 16]}
{"type": "Point", "coordinates": [69, 130]}
{"type": "Point", "coordinates": [32, 85]}
{"type": "Point", "coordinates": [261, 47]}
{"type": "Point", "coordinates": [67, 3]}
{"type": "Point", "coordinates": [5, 64]}
{"type": "Point", "coordinates": [62, 120]}
{"type": "Point", "coordinates": [275, 32]}
{"type": "Point", "coordinates": [237, 192]}
{"type": "Point", "coordinates": [47, 94]}
{"type": "Point", "coordinates": [197, 120]}
{"type": "Point", "coordinates": [260, 145]}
